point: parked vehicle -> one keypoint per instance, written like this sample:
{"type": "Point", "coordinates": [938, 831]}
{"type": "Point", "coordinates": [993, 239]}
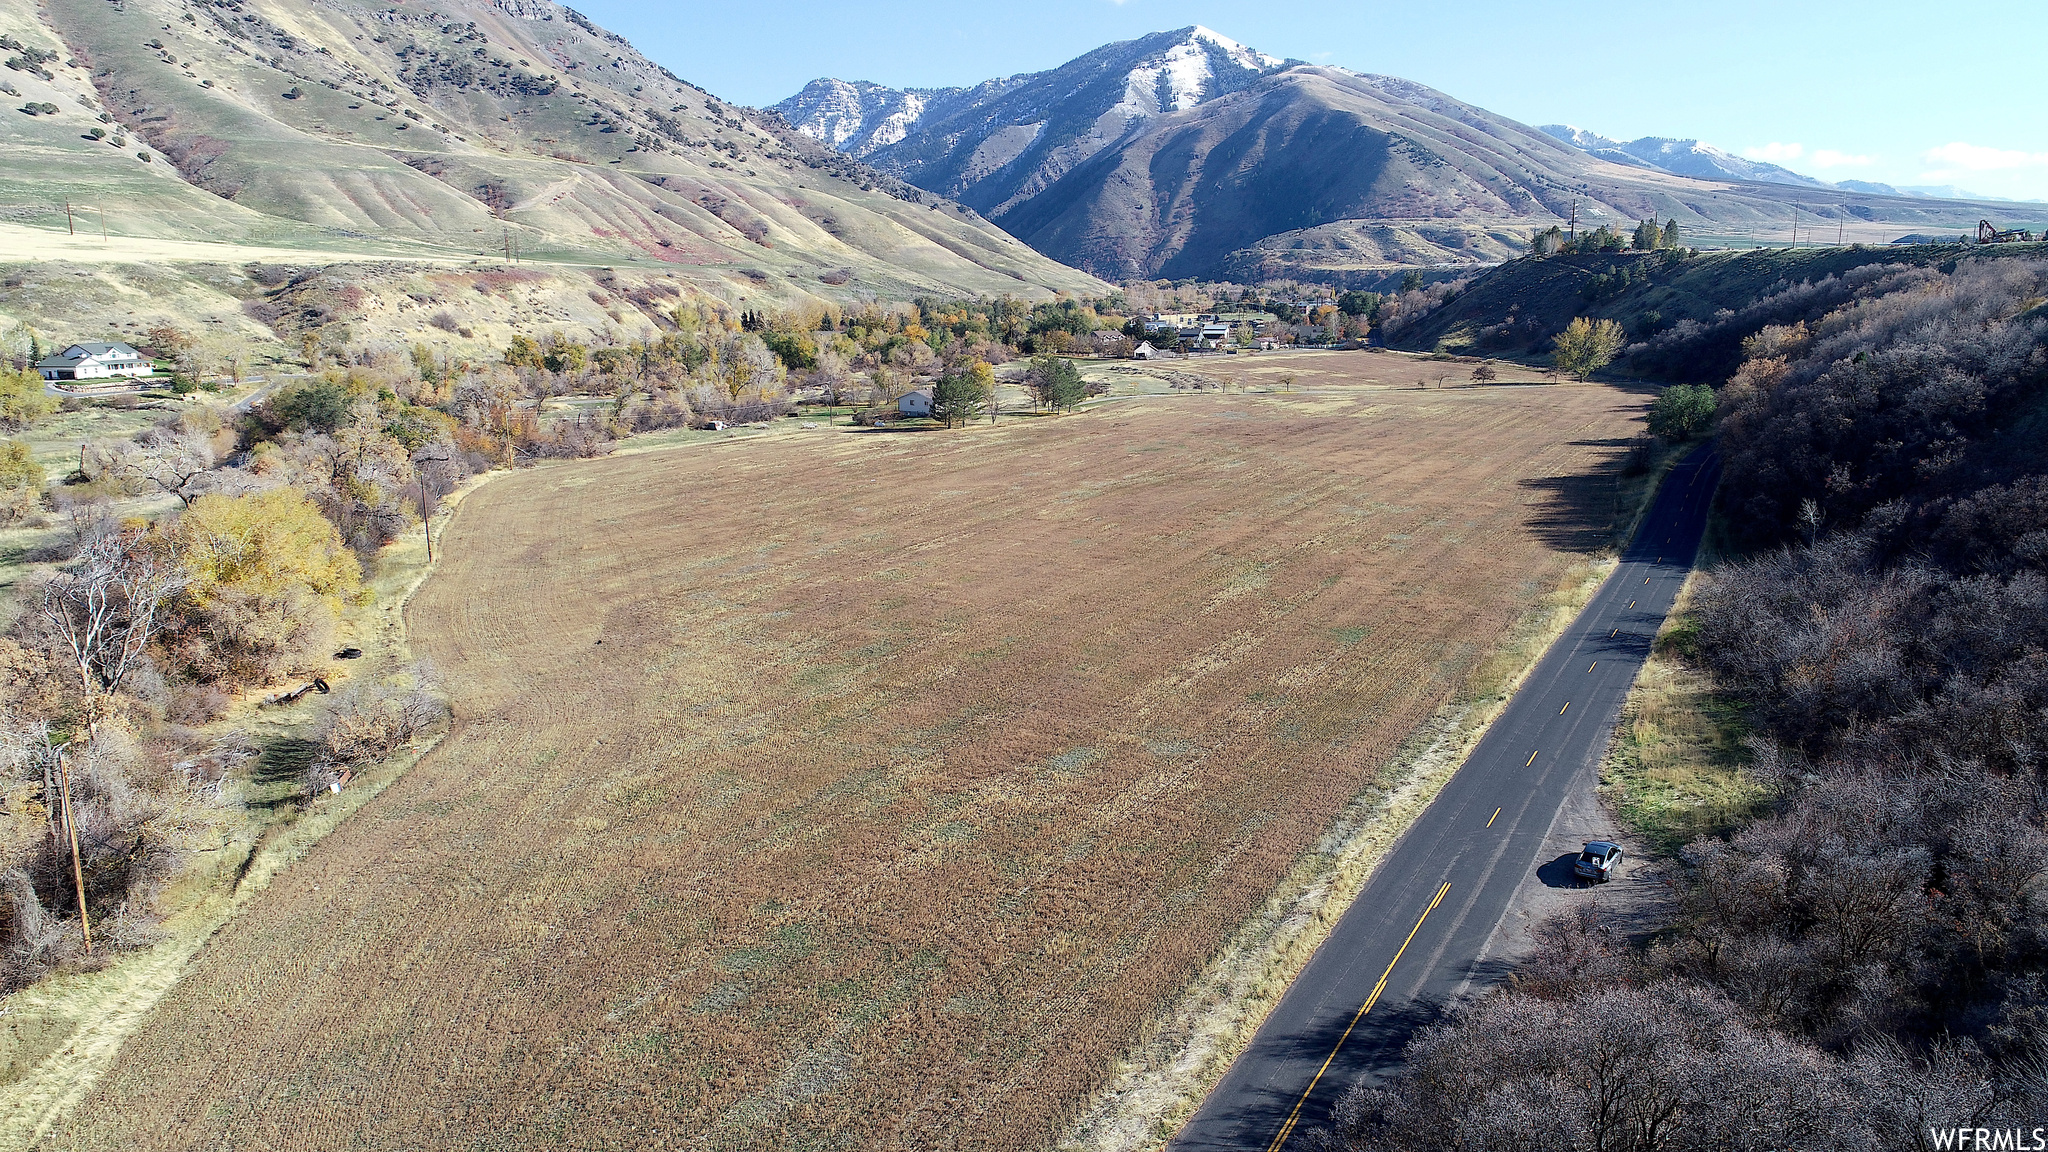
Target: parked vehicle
{"type": "Point", "coordinates": [1598, 861]}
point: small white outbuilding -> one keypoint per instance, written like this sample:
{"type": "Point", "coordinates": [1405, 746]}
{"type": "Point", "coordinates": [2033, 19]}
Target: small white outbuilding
{"type": "Point", "coordinates": [916, 402]}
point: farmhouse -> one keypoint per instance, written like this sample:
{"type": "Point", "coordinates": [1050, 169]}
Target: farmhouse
{"type": "Point", "coordinates": [94, 362]}
{"type": "Point", "coordinates": [1144, 351]}
{"type": "Point", "coordinates": [917, 402]}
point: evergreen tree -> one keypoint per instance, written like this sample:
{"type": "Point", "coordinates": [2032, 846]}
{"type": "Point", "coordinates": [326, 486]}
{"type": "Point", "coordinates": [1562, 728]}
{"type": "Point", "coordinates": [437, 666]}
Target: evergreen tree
{"type": "Point", "coordinates": [1669, 239]}
{"type": "Point", "coordinates": [957, 398]}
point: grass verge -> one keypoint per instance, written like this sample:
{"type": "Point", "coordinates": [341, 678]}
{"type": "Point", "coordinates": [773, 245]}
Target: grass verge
{"type": "Point", "coordinates": [1677, 768]}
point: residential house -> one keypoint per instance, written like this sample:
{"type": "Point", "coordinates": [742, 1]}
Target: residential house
{"type": "Point", "coordinates": [94, 362]}
{"type": "Point", "coordinates": [916, 402]}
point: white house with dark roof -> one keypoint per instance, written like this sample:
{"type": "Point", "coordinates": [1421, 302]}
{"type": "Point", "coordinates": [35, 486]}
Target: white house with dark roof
{"type": "Point", "coordinates": [916, 402]}
{"type": "Point", "coordinates": [94, 362]}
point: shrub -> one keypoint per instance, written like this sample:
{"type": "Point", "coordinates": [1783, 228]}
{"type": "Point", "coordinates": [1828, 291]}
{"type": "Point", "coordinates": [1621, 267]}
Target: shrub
{"type": "Point", "coordinates": [306, 406]}
{"type": "Point", "coordinates": [1682, 411]}
{"type": "Point", "coordinates": [369, 722]}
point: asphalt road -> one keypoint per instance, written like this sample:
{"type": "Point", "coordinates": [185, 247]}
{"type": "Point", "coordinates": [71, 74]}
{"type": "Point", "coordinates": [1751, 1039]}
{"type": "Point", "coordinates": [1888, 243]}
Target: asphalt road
{"type": "Point", "coordinates": [1414, 937]}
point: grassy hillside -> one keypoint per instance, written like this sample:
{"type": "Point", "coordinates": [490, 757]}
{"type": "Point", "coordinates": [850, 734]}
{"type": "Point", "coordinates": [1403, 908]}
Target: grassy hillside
{"type": "Point", "coordinates": [459, 132]}
{"type": "Point", "coordinates": [256, 316]}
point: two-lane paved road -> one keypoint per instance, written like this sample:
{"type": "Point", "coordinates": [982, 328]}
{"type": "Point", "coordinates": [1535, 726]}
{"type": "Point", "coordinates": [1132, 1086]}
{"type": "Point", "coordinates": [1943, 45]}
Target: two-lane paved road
{"type": "Point", "coordinates": [1415, 934]}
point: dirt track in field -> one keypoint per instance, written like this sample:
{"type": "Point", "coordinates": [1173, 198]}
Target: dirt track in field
{"type": "Point", "coordinates": [864, 790]}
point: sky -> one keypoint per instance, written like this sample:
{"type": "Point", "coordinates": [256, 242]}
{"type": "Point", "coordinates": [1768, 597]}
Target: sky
{"type": "Point", "coordinates": [1954, 93]}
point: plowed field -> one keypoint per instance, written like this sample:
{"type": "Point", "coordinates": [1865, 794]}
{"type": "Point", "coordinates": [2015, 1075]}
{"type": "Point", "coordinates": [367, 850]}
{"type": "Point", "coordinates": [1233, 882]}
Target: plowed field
{"type": "Point", "coordinates": [849, 790]}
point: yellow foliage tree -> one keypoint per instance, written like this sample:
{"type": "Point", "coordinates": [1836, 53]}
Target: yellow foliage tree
{"type": "Point", "coordinates": [1586, 346]}
{"type": "Point", "coordinates": [23, 400]}
{"type": "Point", "coordinates": [268, 574]}
{"type": "Point", "coordinates": [984, 376]}
{"type": "Point", "coordinates": [21, 481]}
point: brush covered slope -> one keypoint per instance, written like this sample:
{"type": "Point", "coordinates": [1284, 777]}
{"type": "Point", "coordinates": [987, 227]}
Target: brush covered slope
{"type": "Point", "coordinates": [464, 129]}
{"type": "Point", "coordinates": [1257, 168]}
{"type": "Point", "coordinates": [1686, 316]}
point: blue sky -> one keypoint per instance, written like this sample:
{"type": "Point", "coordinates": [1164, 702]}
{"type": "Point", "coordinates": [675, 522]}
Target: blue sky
{"type": "Point", "coordinates": [1950, 93]}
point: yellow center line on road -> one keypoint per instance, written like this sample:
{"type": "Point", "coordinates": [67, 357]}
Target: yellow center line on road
{"type": "Point", "coordinates": [1532, 758]}
{"type": "Point", "coordinates": [1492, 818]}
{"type": "Point", "coordinates": [1646, 579]}
{"type": "Point", "coordinates": [1294, 1117]}
{"type": "Point", "coordinates": [1593, 665]}
{"type": "Point", "coordinates": [1613, 634]}
{"type": "Point", "coordinates": [1631, 603]}
{"type": "Point", "coordinates": [1567, 704]}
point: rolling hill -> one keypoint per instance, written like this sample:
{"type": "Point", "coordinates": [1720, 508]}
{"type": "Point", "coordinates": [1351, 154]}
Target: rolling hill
{"type": "Point", "coordinates": [1185, 154]}
{"type": "Point", "coordinates": [470, 129]}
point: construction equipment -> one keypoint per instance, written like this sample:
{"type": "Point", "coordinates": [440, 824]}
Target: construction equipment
{"type": "Point", "coordinates": [1987, 233]}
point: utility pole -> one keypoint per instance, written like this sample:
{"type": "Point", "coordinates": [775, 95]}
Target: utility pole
{"type": "Point", "coordinates": [69, 223]}
{"type": "Point", "coordinates": [1840, 224]}
{"type": "Point", "coordinates": [71, 827]}
{"type": "Point", "coordinates": [1572, 230]}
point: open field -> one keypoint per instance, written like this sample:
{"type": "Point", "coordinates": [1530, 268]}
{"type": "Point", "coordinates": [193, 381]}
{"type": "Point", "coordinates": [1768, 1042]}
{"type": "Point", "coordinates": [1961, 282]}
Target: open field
{"type": "Point", "coordinates": [865, 790]}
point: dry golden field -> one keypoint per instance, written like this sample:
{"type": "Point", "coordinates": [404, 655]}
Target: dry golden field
{"type": "Point", "coordinates": [864, 790]}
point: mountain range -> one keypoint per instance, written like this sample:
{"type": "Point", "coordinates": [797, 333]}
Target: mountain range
{"type": "Point", "coordinates": [1686, 158]}
{"type": "Point", "coordinates": [1186, 153]}
{"type": "Point", "coordinates": [1706, 162]}
{"type": "Point", "coordinates": [469, 129]}
{"type": "Point", "coordinates": [489, 130]}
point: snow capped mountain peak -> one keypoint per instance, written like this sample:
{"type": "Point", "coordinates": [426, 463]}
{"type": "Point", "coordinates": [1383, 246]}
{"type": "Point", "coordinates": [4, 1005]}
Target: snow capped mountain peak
{"type": "Point", "coordinates": [1245, 57]}
{"type": "Point", "coordinates": [854, 117]}
{"type": "Point", "coordinates": [1192, 70]}
{"type": "Point", "coordinates": [1060, 116]}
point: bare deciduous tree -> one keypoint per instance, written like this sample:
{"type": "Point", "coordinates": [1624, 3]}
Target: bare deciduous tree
{"type": "Point", "coordinates": [106, 609]}
{"type": "Point", "coordinates": [177, 463]}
